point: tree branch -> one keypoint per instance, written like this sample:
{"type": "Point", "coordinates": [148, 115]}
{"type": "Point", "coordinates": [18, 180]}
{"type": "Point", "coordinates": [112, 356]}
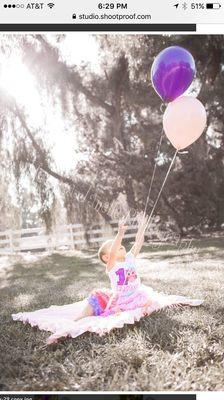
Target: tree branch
{"type": "Point", "coordinates": [74, 78]}
{"type": "Point", "coordinates": [41, 162]}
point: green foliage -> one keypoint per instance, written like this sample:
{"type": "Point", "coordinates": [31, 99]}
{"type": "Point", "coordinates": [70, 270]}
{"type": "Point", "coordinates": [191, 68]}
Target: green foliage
{"type": "Point", "coordinates": [117, 120]}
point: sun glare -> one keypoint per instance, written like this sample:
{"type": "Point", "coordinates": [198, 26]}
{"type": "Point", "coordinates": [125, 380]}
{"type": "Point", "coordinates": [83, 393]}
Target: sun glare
{"type": "Point", "coordinates": [17, 81]}
{"type": "Point", "coordinates": [78, 48]}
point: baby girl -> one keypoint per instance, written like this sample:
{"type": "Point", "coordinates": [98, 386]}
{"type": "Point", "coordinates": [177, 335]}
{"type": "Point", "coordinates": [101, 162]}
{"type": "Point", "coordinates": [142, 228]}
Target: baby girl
{"type": "Point", "coordinates": [127, 292]}
{"type": "Point", "coordinates": [127, 301]}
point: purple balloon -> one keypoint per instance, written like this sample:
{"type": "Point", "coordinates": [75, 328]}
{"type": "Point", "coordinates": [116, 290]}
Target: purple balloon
{"type": "Point", "coordinates": [173, 71]}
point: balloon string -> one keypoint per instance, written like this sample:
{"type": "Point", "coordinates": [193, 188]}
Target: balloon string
{"type": "Point", "coordinates": [158, 197]}
{"type": "Point", "coordinates": [153, 174]}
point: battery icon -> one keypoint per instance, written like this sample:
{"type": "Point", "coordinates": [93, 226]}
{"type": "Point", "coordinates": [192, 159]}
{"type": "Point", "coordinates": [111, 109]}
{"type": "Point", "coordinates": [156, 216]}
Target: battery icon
{"type": "Point", "coordinates": [213, 6]}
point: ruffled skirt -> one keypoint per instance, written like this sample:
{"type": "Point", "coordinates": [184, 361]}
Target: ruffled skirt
{"type": "Point", "coordinates": [109, 312]}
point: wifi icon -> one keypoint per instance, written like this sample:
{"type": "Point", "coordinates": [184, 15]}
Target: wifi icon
{"type": "Point", "coordinates": [51, 5]}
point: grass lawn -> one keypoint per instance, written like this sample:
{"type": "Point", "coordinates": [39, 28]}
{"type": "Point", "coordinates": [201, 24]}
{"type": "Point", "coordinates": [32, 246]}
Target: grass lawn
{"type": "Point", "coordinates": [178, 350]}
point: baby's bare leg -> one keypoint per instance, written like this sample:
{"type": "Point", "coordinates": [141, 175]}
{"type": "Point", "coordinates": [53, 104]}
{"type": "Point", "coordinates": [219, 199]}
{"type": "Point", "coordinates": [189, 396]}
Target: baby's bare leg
{"type": "Point", "coordinates": [86, 311]}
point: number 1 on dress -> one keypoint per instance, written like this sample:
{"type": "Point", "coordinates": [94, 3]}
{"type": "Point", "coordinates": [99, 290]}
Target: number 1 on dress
{"type": "Point", "coordinates": [121, 275]}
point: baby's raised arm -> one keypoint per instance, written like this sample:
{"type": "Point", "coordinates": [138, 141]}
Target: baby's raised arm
{"type": "Point", "coordinates": [116, 243]}
{"type": "Point", "coordinates": [140, 236]}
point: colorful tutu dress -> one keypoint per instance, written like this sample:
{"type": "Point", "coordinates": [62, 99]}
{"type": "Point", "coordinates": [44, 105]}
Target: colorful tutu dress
{"type": "Point", "coordinates": [127, 302]}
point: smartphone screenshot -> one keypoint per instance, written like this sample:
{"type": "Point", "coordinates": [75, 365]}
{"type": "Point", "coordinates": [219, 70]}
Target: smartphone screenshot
{"type": "Point", "coordinates": [111, 200]}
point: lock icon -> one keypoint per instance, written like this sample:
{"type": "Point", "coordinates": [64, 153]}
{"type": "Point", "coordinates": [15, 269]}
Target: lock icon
{"type": "Point", "coordinates": [73, 16]}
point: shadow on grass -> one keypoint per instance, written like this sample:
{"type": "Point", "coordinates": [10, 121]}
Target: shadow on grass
{"type": "Point", "coordinates": [56, 279]}
{"type": "Point", "coordinates": [204, 243]}
{"type": "Point", "coordinates": [87, 362]}
{"type": "Point", "coordinates": [160, 330]}
{"type": "Point", "coordinates": [47, 282]}
{"type": "Point", "coordinates": [214, 248]}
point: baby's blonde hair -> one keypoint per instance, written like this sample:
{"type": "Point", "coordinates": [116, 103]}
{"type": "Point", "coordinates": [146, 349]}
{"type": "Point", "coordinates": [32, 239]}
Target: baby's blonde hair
{"type": "Point", "coordinates": [104, 249]}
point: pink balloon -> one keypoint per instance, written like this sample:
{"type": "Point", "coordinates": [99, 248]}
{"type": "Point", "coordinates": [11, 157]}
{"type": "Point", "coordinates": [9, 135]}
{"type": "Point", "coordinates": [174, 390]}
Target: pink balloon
{"type": "Point", "coordinates": [184, 121]}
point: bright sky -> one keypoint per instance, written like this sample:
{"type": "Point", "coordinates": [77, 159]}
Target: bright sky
{"type": "Point", "coordinates": [16, 79]}
{"type": "Point", "coordinates": [78, 47]}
